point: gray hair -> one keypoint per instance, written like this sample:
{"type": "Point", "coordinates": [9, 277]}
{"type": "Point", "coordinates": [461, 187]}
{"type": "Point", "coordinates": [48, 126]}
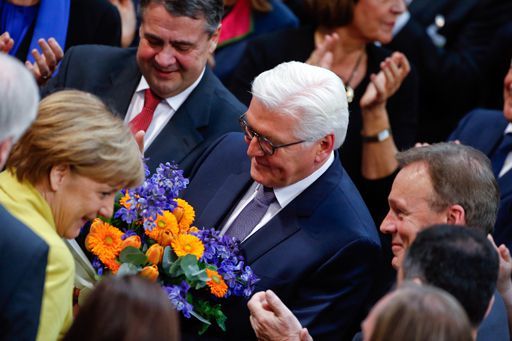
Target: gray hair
{"type": "Point", "coordinates": [19, 97]}
{"type": "Point", "coordinates": [313, 95]}
{"type": "Point", "coordinates": [210, 10]}
{"type": "Point", "coordinates": [460, 175]}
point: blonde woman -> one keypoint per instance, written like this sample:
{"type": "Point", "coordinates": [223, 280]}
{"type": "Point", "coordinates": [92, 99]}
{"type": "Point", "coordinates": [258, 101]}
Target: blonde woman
{"type": "Point", "coordinates": [63, 172]}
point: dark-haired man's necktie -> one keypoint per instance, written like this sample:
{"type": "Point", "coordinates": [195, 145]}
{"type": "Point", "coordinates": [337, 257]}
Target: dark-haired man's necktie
{"type": "Point", "coordinates": [143, 119]}
{"type": "Point", "coordinates": [499, 156]}
{"type": "Point", "coordinates": [252, 214]}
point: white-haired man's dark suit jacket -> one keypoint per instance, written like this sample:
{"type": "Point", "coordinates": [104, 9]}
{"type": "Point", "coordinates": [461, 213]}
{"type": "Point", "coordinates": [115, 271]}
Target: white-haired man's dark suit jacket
{"type": "Point", "coordinates": [319, 253]}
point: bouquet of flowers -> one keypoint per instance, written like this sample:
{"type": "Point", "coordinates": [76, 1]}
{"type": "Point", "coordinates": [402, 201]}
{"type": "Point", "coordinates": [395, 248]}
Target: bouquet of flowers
{"type": "Point", "coordinates": [151, 234]}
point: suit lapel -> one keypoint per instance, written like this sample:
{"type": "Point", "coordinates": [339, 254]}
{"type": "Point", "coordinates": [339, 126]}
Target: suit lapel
{"type": "Point", "coordinates": [123, 82]}
{"type": "Point", "coordinates": [505, 184]}
{"type": "Point", "coordinates": [493, 135]}
{"type": "Point", "coordinates": [225, 199]}
{"type": "Point", "coordinates": [278, 229]}
{"type": "Point", "coordinates": [492, 140]}
{"type": "Point", "coordinates": [485, 131]}
{"type": "Point", "coordinates": [288, 221]}
{"type": "Point", "coordinates": [183, 133]}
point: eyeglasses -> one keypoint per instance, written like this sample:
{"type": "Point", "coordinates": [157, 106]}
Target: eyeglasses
{"type": "Point", "coordinates": [266, 146]}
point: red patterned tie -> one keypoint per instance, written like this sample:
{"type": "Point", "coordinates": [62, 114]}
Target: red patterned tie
{"type": "Point", "coordinates": [143, 119]}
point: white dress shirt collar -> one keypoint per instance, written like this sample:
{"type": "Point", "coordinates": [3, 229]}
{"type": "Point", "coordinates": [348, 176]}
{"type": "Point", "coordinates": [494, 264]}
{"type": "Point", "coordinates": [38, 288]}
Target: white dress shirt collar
{"type": "Point", "coordinates": [507, 166]}
{"type": "Point", "coordinates": [175, 101]}
{"type": "Point", "coordinates": [285, 195]}
{"type": "Point", "coordinates": [163, 112]}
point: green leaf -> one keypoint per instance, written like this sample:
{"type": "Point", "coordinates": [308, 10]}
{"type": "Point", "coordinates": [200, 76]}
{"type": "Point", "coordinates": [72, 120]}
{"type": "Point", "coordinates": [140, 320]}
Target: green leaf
{"type": "Point", "coordinates": [189, 265]}
{"type": "Point", "coordinates": [197, 284]}
{"type": "Point", "coordinates": [203, 329]}
{"type": "Point", "coordinates": [220, 318]}
{"type": "Point", "coordinates": [133, 256]}
{"type": "Point", "coordinates": [200, 318]}
{"type": "Point", "coordinates": [205, 322]}
{"type": "Point", "coordinates": [168, 259]}
{"type": "Point", "coordinates": [210, 312]}
{"type": "Point", "coordinates": [196, 277]}
{"type": "Point", "coordinates": [175, 269]}
{"type": "Point", "coordinates": [127, 269]}
{"type": "Point", "coordinates": [202, 276]}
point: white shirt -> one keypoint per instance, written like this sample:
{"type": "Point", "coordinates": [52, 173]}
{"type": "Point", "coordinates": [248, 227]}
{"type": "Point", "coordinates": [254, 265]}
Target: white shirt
{"type": "Point", "coordinates": [284, 196]}
{"type": "Point", "coordinates": [508, 161]}
{"type": "Point", "coordinates": [163, 112]}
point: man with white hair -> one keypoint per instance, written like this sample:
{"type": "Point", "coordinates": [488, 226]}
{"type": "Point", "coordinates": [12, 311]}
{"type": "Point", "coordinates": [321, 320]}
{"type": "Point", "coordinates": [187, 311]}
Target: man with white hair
{"type": "Point", "coordinates": [280, 188]}
{"type": "Point", "coordinates": [23, 255]}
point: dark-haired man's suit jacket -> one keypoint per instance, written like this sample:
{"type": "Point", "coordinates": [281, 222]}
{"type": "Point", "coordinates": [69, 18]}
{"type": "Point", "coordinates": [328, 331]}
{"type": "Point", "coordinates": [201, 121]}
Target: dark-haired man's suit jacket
{"type": "Point", "coordinates": [112, 74]}
{"type": "Point", "coordinates": [318, 254]}
{"type": "Point", "coordinates": [483, 130]}
{"type": "Point", "coordinates": [23, 258]}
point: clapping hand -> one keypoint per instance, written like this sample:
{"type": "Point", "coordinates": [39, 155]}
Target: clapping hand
{"type": "Point", "coordinates": [45, 63]}
{"type": "Point", "coordinates": [393, 71]}
{"type": "Point", "coordinates": [6, 42]}
{"type": "Point", "coordinates": [322, 55]}
{"type": "Point", "coordinates": [504, 283]}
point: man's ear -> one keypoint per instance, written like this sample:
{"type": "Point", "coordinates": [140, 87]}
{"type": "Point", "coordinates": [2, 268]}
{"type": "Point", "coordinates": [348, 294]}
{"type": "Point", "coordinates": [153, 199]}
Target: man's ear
{"type": "Point", "coordinates": [456, 215]}
{"type": "Point", "coordinates": [325, 147]}
{"type": "Point", "coordinates": [214, 39]}
{"type": "Point", "coordinates": [5, 148]}
{"type": "Point", "coordinates": [57, 176]}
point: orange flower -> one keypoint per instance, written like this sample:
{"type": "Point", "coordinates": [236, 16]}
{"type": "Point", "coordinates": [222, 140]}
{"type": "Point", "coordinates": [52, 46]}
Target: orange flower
{"type": "Point", "coordinates": [112, 264]}
{"type": "Point", "coordinates": [186, 244]}
{"type": "Point", "coordinates": [131, 241]}
{"type": "Point", "coordinates": [167, 221]}
{"type": "Point", "coordinates": [166, 228]}
{"type": "Point", "coordinates": [216, 283]}
{"type": "Point", "coordinates": [150, 272]}
{"type": "Point", "coordinates": [104, 240]}
{"type": "Point", "coordinates": [124, 200]}
{"type": "Point", "coordinates": [184, 214]}
{"type": "Point", "coordinates": [155, 253]}
{"type": "Point", "coordinates": [164, 238]}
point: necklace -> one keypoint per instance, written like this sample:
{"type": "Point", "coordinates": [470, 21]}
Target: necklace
{"type": "Point", "coordinates": [348, 89]}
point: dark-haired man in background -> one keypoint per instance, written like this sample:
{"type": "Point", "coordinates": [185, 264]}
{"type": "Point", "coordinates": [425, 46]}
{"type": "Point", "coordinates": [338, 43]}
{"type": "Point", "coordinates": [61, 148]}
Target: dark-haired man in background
{"type": "Point", "coordinates": [163, 86]}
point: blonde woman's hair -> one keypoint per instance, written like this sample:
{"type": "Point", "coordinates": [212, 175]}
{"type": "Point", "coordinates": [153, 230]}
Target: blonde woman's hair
{"type": "Point", "coordinates": [77, 129]}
